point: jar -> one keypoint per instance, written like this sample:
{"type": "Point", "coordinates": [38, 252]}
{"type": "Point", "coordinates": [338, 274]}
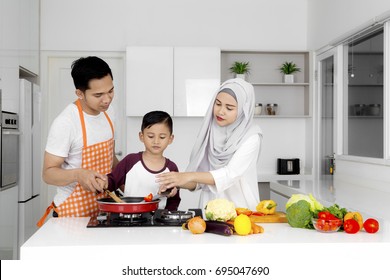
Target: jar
{"type": "Point", "coordinates": [360, 109]}
{"type": "Point", "coordinates": [258, 108]}
{"type": "Point", "coordinates": [374, 110]}
{"type": "Point", "coordinates": [272, 108]}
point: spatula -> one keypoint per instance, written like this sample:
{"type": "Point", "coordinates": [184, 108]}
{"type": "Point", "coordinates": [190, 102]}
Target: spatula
{"type": "Point", "coordinates": [113, 196]}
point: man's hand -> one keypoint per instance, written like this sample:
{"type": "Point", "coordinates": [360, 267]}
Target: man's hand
{"type": "Point", "coordinates": [88, 179]}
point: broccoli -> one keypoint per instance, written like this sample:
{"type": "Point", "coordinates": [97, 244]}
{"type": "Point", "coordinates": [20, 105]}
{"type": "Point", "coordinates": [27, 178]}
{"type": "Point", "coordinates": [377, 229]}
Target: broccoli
{"type": "Point", "coordinates": [299, 215]}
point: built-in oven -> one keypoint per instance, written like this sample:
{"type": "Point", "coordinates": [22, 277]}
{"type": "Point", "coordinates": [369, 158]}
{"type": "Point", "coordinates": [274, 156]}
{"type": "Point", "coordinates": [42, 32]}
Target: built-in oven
{"type": "Point", "coordinates": [9, 144]}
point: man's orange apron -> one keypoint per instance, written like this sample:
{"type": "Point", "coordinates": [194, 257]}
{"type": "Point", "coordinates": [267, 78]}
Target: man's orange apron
{"type": "Point", "coordinates": [97, 157]}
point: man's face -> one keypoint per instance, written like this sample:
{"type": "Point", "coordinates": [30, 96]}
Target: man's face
{"type": "Point", "coordinates": [98, 97]}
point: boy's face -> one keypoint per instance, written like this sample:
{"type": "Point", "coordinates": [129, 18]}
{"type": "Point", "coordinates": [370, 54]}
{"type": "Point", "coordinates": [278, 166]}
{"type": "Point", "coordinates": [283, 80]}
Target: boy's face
{"type": "Point", "coordinates": [98, 97]}
{"type": "Point", "coordinates": [156, 138]}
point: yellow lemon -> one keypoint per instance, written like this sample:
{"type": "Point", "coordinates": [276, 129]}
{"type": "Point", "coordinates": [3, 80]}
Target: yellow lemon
{"type": "Point", "coordinates": [242, 224]}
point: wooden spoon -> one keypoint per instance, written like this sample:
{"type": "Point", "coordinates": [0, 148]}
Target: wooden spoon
{"type": "Point", "coordinates": [114, 196]}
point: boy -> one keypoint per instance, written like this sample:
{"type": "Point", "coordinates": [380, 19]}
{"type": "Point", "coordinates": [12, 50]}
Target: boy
{"type": "Point", "coordinates": [137, 171]}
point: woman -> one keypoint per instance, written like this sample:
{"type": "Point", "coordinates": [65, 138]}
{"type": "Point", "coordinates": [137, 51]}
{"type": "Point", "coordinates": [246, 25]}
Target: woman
{"type": "Point", "coordinates": [223, 162]}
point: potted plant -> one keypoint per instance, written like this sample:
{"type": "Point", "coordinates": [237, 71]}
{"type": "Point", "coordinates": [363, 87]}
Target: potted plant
{"type": "Point", "coordinates": [240, 69]}
{"type": "Point", "coordinates": [288, 69]}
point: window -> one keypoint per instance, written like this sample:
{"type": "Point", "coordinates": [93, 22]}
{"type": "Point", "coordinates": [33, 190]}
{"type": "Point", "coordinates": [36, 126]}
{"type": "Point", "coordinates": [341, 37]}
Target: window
{"type": "Point", "coordinates": [363, 98]}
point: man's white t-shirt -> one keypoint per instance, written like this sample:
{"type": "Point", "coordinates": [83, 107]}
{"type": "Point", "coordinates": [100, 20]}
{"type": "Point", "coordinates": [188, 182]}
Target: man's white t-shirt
{"type": "Point", "coordinates": [65, 140]}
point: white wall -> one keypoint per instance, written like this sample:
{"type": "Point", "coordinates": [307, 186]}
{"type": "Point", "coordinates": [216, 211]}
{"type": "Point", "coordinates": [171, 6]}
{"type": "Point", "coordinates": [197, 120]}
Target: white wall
{"type": "Point", "coordinates": [95, 25]}
{"type": "Point", "coordinates": [330, 19]}
{"type": "Point", "coordinates": [100, 25]}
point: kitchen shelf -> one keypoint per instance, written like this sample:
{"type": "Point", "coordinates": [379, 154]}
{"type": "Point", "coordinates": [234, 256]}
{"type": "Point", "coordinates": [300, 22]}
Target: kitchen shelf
{"type": "Point", "coordinates": [365, 85]}
{"type": "Point", "coordinates": [293, 99]}
{"type": "Point", "coordinates": [281, 116]}
{"type": "Point", "coordinates": [281, 84]}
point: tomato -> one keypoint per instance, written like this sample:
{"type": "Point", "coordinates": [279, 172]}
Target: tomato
{"type": "Point", "coordinates": [327, 216]}
{"type": "Point", "coordinates": [351, 226]}
{"type": "Point", "coordinates": [327, 225]}
{"type": "Point", "coordinates": [371, 225]}
{"type": "Point", "coordinates": [149, 197]}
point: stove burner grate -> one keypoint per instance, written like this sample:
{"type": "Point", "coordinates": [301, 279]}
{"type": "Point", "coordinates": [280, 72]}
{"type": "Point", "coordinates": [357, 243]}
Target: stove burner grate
{"type": "Point", "coordinates": [160, 217]}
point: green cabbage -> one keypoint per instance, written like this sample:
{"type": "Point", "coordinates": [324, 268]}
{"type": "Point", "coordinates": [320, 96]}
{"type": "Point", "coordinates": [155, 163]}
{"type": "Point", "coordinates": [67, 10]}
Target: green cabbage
{"type": "Point", "coordinates": [300, 208]}
{"type": "Point", "coordinates": [314, 204]}
{"type": "Point", "coordinates": [299, 214]}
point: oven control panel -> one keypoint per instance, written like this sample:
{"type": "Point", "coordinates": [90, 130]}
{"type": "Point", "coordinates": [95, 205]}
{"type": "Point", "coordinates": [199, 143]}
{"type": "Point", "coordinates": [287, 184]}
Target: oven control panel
{"type": "Point", "coordinates": [9, 120]}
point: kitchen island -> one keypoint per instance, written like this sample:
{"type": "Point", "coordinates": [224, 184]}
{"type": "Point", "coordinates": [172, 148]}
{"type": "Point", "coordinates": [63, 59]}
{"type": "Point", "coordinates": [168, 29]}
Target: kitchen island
{"type": "Point", "coordinates": [69, 238]}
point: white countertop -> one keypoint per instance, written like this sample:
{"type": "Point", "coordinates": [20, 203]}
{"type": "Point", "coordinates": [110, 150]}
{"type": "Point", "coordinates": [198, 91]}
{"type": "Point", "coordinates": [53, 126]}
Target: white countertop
{"type": "Point", "coordinates": [370, 202]}
{"type": "Point", "coordinates": [69, 238]}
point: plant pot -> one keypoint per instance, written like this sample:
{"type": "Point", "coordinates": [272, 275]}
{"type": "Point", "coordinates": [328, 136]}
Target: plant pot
{"type": "Point", "coordinates": [240, 76]}
{"type": "Point", "coordinates": [288, 79]}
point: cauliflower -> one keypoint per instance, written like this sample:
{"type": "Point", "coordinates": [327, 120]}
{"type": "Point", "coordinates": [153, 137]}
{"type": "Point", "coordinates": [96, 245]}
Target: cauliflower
{"type": "Point", "coordinates": [220, 209]}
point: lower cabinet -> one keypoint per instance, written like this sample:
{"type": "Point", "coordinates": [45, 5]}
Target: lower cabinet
{"type": "Point", "coordinates": [280, 200]}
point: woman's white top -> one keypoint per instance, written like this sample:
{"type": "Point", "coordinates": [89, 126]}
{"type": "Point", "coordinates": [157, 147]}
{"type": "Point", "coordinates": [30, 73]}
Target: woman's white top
{"type": "Point", "coordinates": [237, 181]}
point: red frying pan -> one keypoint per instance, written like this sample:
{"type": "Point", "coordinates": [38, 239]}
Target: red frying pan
{"type": "Point", "coordinates": [131, 205]}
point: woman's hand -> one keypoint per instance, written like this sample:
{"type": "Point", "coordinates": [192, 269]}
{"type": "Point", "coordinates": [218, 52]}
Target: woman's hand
{"type": "Point", "coordinates": [171, 180]}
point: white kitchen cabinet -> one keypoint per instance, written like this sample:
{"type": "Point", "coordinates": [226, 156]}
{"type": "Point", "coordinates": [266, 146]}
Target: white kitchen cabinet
{"type": "Point", "coordinates": [29, 35]}
{"type": "Point", "coordinates": [280, 199]}
{"type": "Point", "coordinates": [149, 80]}
{"type": "Point", "coordinates": [178, 80]}
{"type": "Point", "coordinates": [293, 100]}
{"type": "Point", "coordinates": [196, 78]}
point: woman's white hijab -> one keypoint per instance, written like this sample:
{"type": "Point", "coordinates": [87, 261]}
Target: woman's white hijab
{"type": "Point", "coordinates": [215, 145]}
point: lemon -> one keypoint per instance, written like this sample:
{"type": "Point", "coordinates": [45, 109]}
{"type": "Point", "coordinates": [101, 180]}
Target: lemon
{"type": "Point", "coordinates": [242, 224]}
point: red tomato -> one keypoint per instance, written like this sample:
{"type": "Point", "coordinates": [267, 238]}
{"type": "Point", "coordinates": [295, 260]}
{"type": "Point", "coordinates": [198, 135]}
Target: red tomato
{"type": "Point", "coordinates": [326, 215]}
{"type": "Point", "coordinates": [149, 197]}
{"type": "Point", "coordinates": [351, 226]}
{"type": "Point", "coordinates": [371, 225]}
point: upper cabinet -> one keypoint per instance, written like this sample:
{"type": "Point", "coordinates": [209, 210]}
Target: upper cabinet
{"type": "Point", "coordinates": [149, 80]}
{"type": "Point", "coordinates": [291, 99]}
{"type": "Point", "coordinates": [178, 80]}
{"type": "Point", "coordinates": [29, 35]}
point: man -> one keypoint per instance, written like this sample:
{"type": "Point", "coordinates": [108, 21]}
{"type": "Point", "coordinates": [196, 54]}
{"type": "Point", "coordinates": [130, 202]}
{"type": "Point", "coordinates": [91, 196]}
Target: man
{"type": "Point", "coordinates": [80, 145]}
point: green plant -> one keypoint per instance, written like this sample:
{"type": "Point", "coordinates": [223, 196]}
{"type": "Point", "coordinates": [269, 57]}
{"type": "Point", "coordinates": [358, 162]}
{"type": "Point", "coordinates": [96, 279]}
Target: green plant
{"type": "Point", "coordinates": [240, 67]}
{"type": "Point", "coordinates": [289, 68]}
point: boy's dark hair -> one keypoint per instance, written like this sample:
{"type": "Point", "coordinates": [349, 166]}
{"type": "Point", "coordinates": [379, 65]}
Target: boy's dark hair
{"type": "Point", "coordinates": [88, 68]}
{"type": "Point", "coordinates": [154, 117]}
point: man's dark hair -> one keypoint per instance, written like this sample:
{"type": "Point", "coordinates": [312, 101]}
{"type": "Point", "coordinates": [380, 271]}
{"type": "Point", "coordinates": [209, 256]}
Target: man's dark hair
{"type": "Point", "coordinates": [88, 68]}
{"type": "Point", "coordinates": [154, 117]}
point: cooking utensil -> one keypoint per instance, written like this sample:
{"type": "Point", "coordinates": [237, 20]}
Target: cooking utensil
{"type": "Point", "coordinates": [113, 196]}
{"type": "Point", "coordinates": [129, 205]}
{"type": "Point", "coordinates": [163, 194]}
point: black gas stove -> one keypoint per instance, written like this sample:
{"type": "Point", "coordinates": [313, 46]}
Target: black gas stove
{"type": "Point", "coordinates": [160, 217]}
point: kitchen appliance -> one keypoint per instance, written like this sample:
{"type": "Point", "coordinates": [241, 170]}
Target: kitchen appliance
{"type": "Point", "coordinates": [9, 149]}
{"type": "Point", "coordinates": [288, 166]}
{"type": "Point", "coordinates": [9, 139]}
{"type": "Point", "coordinates": [30, 160]}
{"type": "Point", "coordinates": [159, 218]}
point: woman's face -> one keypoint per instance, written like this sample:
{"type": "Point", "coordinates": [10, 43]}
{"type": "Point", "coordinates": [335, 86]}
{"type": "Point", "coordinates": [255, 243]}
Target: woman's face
{"type": "Point", "coordinates": [225, 109]}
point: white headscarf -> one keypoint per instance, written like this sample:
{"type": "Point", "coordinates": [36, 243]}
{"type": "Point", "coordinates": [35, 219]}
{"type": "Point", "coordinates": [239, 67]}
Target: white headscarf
{"type": "Point", "coordinates": [215, 145]}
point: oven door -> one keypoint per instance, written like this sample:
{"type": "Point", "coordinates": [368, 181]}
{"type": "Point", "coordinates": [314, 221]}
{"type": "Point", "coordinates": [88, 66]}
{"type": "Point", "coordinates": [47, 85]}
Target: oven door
{"type": "Point", "coordinates": [9, 157]}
